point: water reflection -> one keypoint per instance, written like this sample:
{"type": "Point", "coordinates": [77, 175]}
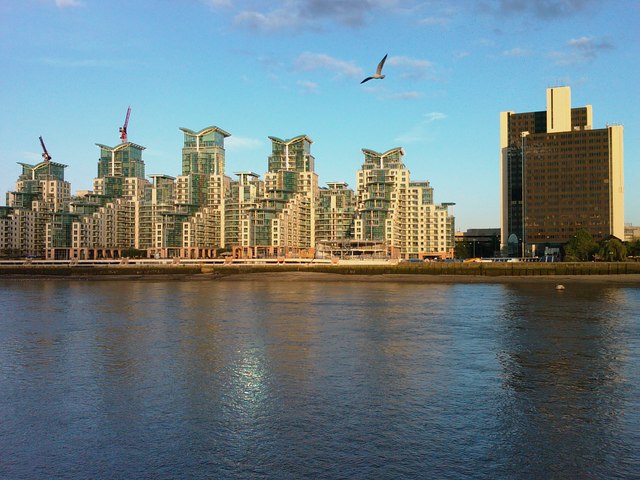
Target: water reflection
{"type": "Point", "coordinates": [566, 380]}
{"type": "Point", "coordinates": [318, 380]}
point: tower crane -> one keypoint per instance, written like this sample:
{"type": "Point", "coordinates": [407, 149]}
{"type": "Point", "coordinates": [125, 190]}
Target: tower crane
{"type": "Point", "coordinates": [123, 129]}
{"type": "Point", "coordinates": [45, 153]}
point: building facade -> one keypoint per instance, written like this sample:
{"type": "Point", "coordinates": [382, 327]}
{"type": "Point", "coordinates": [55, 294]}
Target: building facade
{"type": "Point", "coordinates": [398, 212]}
{"type": "Point", "coordinates": [282, 222]}
{"type": "Point", "coordinates": [203, 163]}
{"type": "Point", "coordinates": [41, 196]}
{"type": "Point", "coordinates": [203, 213]}
{"type": "Point", "coordinates": [558, 175]}
{"type": "Point", "coordinates": [336, 212]}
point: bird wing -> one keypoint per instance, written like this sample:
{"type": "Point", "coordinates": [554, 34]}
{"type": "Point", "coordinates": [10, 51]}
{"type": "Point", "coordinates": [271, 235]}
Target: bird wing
{"type": "Point", "coordinates": [365, 80]}
{"type": "Point", "coordinates": [380, 65]}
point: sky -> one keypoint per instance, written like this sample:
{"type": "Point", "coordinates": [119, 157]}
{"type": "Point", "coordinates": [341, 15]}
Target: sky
{"type": "Point", "coordinates": [283, 68]}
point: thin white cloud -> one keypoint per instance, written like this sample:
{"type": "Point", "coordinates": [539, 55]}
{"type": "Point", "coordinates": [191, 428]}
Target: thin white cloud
{"type": "Point", "coordinates": [309, 61]}
{"type": "Point", "coordinates": [434, 21]}
{"type": "Point", "coordinates": [580, 50]}
{"type": "Point", "coordinates": [439, 15]}
{"type": "Point", "coordinates": [516, 52]}
{"type": "Point", "coordinates": [235, 143]}
{"type": "Point", "coordinates": [68, 3]}
{"type": "Point", "coordinates": [420, 131]}
{"type": "Point", "coordinates": [542, 9]}
{"type": "Point", "coordinates": [308, 86]}
{"type": "Point", "coordinates": [219, 3]}
{"type": "Point", "coordinates": [589, 45]}
{"type": "Point", "coordinates": [413, 68]}
{"type": "Point", "coordinates": [83, 63]}
{"type": "Point", "coordinates": [434, 116]}
{"type": "Point", "coordinates": [272, 21]}
{"type": "Point", "coordinates": [405, 95]}
{"type": "Point", "coordinates": [296, 15]}
{"type": "Point", "coordinates": [31, 157]}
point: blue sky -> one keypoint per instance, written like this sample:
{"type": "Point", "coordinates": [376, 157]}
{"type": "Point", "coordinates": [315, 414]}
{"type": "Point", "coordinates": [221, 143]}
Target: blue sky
{"type": "Point", "coordinates": [70, 69]}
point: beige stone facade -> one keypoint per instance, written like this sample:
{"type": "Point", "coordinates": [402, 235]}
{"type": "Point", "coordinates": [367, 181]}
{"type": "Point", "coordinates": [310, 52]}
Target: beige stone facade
{"type": "Point", "coordinates": [203, 213]}
{"type": "Point", "coordinates": [559, 175]}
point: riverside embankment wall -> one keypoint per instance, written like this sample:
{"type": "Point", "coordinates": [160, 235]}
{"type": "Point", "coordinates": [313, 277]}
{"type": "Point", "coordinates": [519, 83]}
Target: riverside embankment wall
{"type": "Point", "coordinates": [433, 268]}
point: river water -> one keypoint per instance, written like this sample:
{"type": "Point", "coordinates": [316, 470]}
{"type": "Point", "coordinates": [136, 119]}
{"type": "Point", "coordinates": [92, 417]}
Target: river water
{"type": "Point", "coordinates": [262, 379]}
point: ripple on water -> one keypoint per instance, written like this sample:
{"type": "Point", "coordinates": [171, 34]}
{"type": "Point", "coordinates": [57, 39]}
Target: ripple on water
{"type": "Point", "coordinates": [318, 380]}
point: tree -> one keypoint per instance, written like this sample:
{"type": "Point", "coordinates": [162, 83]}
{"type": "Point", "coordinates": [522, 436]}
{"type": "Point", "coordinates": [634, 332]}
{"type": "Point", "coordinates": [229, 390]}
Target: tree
{"type": "Point", "coordinates": [134, 253]}
{"type": "Point", "coordinates": [612, 250]}
{"type": "Point", "coordinates": [633, 249]}
{"type": "Point", "coordinates": [581, 248]}
{"type": "Point", "coordinates": [461, 250]}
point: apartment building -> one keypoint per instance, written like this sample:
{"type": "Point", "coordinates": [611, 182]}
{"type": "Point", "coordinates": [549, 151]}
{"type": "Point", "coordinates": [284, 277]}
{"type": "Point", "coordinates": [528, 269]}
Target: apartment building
{"type": "Point", "coordinates": [20, 235]}
{"type": "Point", "coordinates": [282, 223]}
{"type": "Point", "coordinates": [336, 212]}
{"type": "Point", "coordinates": [243, 196]}
{"type": "Point", "coordinates": [121, 171]}
{"type": "Point", "coordinates": [203, 162]}
{"type": "Point", "coordinates": [203, 213]}
{"type": "Point", "coordinates": [41, 191]}
{"type": "Point", "coordinates": [202, 192]}
{"type": "Point", "coordinates": [106, 232]}
{"type": "Point", "coordinates": [401, 213]}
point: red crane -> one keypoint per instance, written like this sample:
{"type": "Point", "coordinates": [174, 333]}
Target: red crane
{"type": "Point", "coordinates": [45, 154]}
{"type": "Point", "coordinates": [123, 129]}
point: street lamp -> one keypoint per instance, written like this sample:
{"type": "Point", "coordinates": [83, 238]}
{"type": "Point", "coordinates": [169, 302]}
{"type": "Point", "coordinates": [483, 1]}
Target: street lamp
{"type": "Point", "coordinates": [523, 135]}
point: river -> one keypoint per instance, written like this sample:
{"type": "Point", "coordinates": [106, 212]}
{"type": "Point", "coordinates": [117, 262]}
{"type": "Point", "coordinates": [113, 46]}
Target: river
{"type": "Point", "coordinates": [324, 380]}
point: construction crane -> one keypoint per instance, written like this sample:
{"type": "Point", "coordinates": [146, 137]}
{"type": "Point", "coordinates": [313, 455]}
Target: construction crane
{"type": "Point", "coordinates": [123, 129]}
{"type": "Point", "coordinates": [45, 154]}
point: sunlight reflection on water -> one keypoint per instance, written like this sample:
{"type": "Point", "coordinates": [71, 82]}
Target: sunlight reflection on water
{"type": "Point", "coordinates": [152, 379]}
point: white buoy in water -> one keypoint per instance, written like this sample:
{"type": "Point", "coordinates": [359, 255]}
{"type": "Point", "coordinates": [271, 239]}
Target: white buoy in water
{"type": "Point", "coordinates": [559, 287]}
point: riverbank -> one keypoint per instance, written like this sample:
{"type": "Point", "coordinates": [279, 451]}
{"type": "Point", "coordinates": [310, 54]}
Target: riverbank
{"type": "Point", "coordinates": [619, 273]}
{"type": "Point", "coordinates": [616, 279]}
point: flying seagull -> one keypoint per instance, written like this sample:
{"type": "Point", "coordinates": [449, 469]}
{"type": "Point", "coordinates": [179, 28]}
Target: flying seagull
{"type": "Point", "coordinates": [378, 75]}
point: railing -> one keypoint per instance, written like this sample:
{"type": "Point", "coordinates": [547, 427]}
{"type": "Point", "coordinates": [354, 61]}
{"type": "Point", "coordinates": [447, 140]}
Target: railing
{"type": "Point", "coordinates": [166, 261]}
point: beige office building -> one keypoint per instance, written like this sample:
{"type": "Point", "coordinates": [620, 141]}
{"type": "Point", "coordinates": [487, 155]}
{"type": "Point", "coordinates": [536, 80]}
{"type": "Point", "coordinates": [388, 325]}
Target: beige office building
{"type": "Point", "coordinates": [558, 175]}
